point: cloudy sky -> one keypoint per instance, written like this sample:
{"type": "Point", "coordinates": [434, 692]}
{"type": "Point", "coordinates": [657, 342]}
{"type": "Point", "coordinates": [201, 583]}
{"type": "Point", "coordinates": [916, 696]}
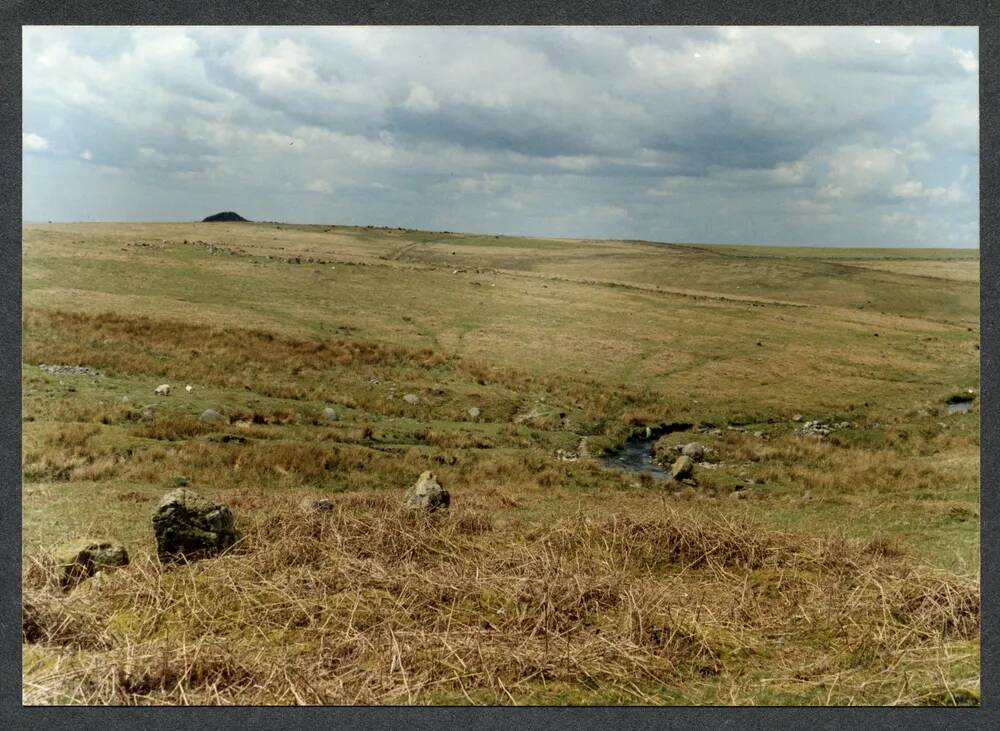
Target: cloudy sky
{"type": "Point", "coordinates": [827, 136]}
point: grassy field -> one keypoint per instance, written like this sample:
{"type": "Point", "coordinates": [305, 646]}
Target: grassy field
{"type": "Point", "coordinates": [800, 570]}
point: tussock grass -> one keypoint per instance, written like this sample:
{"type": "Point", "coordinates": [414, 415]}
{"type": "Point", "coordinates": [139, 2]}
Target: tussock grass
{"type": "Point", "coordinates": [373, 604]}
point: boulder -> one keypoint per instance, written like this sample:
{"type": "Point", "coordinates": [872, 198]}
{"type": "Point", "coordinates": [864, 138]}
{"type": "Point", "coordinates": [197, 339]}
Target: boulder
{"type": "Point", "coordinates": [694, 450]}
{"type": "Point", "coordinates": [427, 494]}
{"type": "Point", "coordinates": [211, 416]}
{"type": "Point", "coordinates": [474, 412]}
{"type": "Point", "coordinates": [162, 390]}
{"type": "Point", "coordinates": [682, 468]}
{"type": "Point", "coordinates": [411, 398]}
{"type": "Point", "coordinates": [82, 559]}
{"type": "Point", "coordinates": [310, 504]}
{"type": "Point", "coordinates": [187, 525]}
{"type": "Point", "coordinates": [330, 414]}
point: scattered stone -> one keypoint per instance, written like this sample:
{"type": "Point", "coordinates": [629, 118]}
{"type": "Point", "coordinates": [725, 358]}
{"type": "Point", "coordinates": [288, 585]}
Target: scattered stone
{"type": "Point", "coordinates": [330, 414]}
{"type": "Point", "coordinates": [188, 526]}
{"type": "Point", "coordinates": [474, 412]}
{"type": "Point", "coordinates": [694, 450]}
{"type": "Point", "coordinates": [797, 417]}
{"type": "Point", "coordinates": [427, 494]}
{"type": "Point", "coordinates": [683, 467]}
{"type": "Point", "coordinates": [211, 416]}
{"type": "Point", "coordinates": [310, 504]}
{"type": "Point", "coordinates": [69, 370]}
{"type": "Point", "coordinates": [819, 429]}
{"type": "Point", "coordinates": [82, 559]}
{"type": "Point", "coordinates": [162, 390]}
{"type": "Point", "coordinates": [411, 398]}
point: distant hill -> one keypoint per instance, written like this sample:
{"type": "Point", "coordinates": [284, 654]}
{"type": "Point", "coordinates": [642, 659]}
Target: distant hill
{"type": "Point", "coordinates": [224, 216]}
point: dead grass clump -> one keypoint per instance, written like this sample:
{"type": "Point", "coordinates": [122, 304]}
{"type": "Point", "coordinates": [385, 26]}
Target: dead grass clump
{"type": "Point", "coordinates": [281, 417]}
{"type": "Point", "coordinates": [457, 440]}
{"type": "Point", "coordinates": [937, 606]}
{"type": "Point", "coordinates": [71, 435]}
{"type": "Point", "coordinates": [51, 617]}
{"type": "Point", "coordinates": [171, 428]}
{"type": "Point", "coordinates": [681, 539]}
{"type": "Point", "coordinates": [371, 603]}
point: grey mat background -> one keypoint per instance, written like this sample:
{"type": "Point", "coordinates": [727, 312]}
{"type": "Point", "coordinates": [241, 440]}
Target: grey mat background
{"type": "Point", "coordinates": [542, 12]}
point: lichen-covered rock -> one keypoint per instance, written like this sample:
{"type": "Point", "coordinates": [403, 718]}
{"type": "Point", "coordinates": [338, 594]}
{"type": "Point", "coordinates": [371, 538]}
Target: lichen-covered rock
{"type": "Point", "coordinates": [682, 467]}
{"type": "Point", "coordinates": [81, 559]}
{"type": "Point", "coordinates": [694, 450]}
{"type": "Point", "coordinates": [427, 494]}
{"type": "Point", "coordinates": [189, 526]}
{"type": "Point", "coordinates": [211, 416]}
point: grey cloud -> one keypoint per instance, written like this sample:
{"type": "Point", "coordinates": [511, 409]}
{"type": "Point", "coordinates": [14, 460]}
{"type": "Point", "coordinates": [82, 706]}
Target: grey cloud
{"type": "Point", "coordinates": [766, 135]}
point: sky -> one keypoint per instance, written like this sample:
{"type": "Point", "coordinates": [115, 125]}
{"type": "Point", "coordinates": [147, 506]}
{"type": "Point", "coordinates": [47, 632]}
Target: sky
{"type": "Point", "coordinates": [857, 136]}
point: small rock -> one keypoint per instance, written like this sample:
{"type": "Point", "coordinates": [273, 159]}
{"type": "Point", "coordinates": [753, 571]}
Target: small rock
{"type": "Point", "coordinates": [211, 416]}
{"type": "Point", "coordinates": [474, 412]}
{"type": "Point", "coordinates": [82, 559]}
{"type": "Point", "coordinates": [427, 494]}
{"type": "Point", "coordinates": [187, 525]}
{"type": "Point", "coordinates": [330, 414]}
{"type": "Point", "coordinates": [797, 417]}
{"type": "Point", "coordinates": [125, 399]}
{"type": "Point", "coordinates": [683, 467]}
{"type": "Point", "coordinates": [411, 398]}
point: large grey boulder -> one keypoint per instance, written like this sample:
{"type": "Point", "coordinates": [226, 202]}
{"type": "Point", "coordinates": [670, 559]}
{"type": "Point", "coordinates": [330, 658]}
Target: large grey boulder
{"type": "Point", "coordinates": [82, 559]}
{"type": "Point", "coordinates": [682, 467]}
{"type": "Point", "coordinates": [427, 494]}
{"type": "Point", "coordinates": [188, 526]}
{"type": "Point", "coordinates": [694, 450]}
{"type": "Point", "coordinates": [211, 416]}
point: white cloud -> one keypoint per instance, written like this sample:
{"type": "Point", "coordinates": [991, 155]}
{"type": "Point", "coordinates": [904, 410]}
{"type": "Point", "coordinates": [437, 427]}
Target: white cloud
{"type": "Point", "coordinates": [31, 142]}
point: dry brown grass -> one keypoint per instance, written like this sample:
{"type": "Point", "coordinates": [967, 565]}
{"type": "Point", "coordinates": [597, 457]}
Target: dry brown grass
{"type": "Point", "coordinates": [254, 359]}
{"type": "Point", "coordinates": [370, 604]}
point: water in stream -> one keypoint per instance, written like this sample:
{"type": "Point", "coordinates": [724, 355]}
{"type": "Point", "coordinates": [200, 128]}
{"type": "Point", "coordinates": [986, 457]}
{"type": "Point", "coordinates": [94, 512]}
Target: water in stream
{"type": "Point", "coordinates": [636, 456]}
